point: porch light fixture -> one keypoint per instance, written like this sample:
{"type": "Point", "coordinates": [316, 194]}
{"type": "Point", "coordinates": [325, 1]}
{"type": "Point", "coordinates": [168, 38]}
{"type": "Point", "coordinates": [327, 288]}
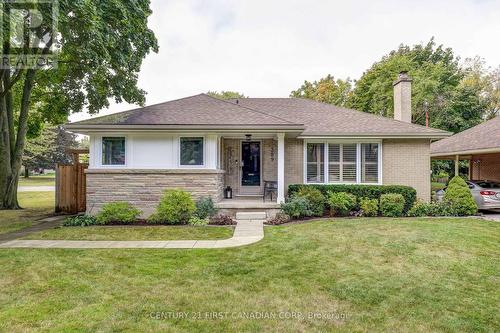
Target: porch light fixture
{"type": "Point", "coordinates": [248, 137]}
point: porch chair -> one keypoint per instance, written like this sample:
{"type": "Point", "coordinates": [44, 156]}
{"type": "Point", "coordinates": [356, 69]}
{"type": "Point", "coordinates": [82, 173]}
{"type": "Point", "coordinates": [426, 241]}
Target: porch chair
{"type": "Point", "coordinates": [270, 187]}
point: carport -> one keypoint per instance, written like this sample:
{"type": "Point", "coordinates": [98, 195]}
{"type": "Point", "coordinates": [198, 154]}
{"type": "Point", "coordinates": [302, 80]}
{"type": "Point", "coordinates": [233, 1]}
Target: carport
{"type": "Point", "coordinates": [480, 145]}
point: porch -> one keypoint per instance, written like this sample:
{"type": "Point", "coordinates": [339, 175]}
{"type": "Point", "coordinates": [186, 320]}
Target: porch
{"type": "Point", "coordinates": [246, 203]}
{"type": "Point", "coordinates": [249, 162]}
{"type": "Point", "coordinates": [239, 205]}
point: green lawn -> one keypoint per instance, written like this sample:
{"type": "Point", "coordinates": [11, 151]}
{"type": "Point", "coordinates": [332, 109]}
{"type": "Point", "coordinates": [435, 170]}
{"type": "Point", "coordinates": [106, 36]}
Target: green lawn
{"type": "Point", "coordinates": [134, 233]}
{"type": "Point", "coordinates": [36, 206]}
{"type": "Point", "coordinates": [405, 275]}
{"type": "Point", "coordinates": [38, 180]}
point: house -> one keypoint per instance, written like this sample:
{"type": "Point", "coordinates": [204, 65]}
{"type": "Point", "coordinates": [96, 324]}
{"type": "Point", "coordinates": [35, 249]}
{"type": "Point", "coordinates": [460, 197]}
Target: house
{"type": "Point", "coordinates": [203, 144]}
{"type": "Point", "coordinates": [480, 145]}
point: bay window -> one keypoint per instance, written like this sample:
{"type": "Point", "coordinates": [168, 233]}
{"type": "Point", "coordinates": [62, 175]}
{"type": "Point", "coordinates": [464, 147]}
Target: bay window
{"type": "Point", "coordinates": [351, 163]}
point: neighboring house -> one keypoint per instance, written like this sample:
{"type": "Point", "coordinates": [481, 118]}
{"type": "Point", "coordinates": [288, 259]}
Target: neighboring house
{"type": "Point", "coordinates": [203, 144]}
{"type": "Point", "coordinates": [480, 145]}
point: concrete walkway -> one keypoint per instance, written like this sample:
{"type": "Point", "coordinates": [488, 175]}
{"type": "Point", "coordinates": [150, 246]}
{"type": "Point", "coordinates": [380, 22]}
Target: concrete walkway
{"type": "Point", "coordinates": [41, 225]}
{"type": "Point", "coordinates": [246, 232]}
{"type": "Point", "coordinates": [492, 217]}
{"type": "Point", "coordinates": [43, 188]}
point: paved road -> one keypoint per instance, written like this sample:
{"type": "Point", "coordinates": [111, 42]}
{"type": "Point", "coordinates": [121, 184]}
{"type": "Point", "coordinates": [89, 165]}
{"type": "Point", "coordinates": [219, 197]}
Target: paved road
{"type": "Point", "coordinates": [49, 188]}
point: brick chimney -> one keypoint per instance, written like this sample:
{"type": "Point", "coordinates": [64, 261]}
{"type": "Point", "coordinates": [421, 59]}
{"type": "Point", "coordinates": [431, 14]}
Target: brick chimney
{"type": "Point", "coordinates": [402, 97]}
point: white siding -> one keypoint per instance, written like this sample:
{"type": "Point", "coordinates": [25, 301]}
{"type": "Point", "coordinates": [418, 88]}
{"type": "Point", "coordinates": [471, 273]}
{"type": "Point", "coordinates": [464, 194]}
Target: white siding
{"type": "Point", "coordinates": [153, 151]}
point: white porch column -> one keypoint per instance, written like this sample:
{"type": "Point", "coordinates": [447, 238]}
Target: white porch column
{"type": "Point", "coordinates": [281, 167]}
{"type": "Point", "coordinates": [457, 160]}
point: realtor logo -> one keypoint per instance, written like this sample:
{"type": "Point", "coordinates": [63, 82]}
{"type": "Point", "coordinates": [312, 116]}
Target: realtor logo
{"type": "Point", "coordinates": [28, 34]}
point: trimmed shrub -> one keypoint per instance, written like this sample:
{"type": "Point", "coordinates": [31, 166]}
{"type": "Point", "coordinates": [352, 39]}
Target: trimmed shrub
{"type": "Point", "coordinates": [458, 194]}
{"type": "Point", "coordinates": [392, 204]}
{"type": "Point", "coordinates": [341, 203]}
{"type": "Point", "coordinates": [280, 218]}
{"type": "Point", "coordinates": [80, 221]}
{"type": "Point", "coordinates": [421, 208]}
{"type": "Point", "coordinates": [195, 220]}
{"type": "Point", "coordinates": [205, 208]}
{"type": "Point", "coordinates": [316, 199]}
{"type": "Point", "coordinates": [175, 207]}
{"type": "Point", "coordinates": [441, 208]}
{"type": "Point", "coordinates": [117, 212]}
{"type": "Point", "coordinates": [363, 191]}
{"type": "Point", "coordinates": [369, 207]}
{"type": "Point", "coordinates": [221, 219]}
{"type": "Point", "coordinates": [296, 207]}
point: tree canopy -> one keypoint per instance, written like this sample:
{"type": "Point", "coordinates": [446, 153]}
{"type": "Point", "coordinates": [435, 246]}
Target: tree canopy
{"type": "Point", "coordinates": [457, 95]}
{"type": "Point", "coordinates": [327, 90]}
{"type": "Point", "coordinates": [226, 94]}
{"type": "Point", "coordinates": [49, 148]}
{"type": "Point", "coordinates": [99, 47]}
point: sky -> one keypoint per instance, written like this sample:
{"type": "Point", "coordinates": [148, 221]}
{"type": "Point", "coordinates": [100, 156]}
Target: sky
{"type": "Point", "coordinates": [268, 48]}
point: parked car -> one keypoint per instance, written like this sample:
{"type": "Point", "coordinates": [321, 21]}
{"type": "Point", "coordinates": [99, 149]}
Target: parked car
{"type": "Point", "coordinates": [485, 192]}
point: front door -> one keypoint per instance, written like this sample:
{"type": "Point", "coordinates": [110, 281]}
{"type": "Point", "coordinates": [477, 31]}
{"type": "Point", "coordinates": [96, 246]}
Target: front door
{"type": "Point", "coordinates": [250, 167]}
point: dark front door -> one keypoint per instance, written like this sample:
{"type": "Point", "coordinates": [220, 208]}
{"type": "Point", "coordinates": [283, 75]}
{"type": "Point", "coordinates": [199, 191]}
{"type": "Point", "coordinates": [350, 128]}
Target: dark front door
{"type": "Point", "coordinates": [250, 168]}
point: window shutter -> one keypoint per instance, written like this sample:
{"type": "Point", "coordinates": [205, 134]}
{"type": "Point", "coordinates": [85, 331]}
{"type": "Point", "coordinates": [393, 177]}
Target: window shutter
{"type": "Point", "coordinates": [369, 163]}
{"type": "Point", "coordinates": [315, 172]}
{"type": "Point", "coordinates": [333, 163]}
{"type": "Point", "coordinates": [349, 163]}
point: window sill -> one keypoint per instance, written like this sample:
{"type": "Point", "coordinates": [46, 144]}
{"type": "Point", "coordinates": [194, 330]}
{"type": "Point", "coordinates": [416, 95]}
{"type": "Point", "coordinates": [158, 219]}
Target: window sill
{"type": "Point", "coordinates": [152, 171]}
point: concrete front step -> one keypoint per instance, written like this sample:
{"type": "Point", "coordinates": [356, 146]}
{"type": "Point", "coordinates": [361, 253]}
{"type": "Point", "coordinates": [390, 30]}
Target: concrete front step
{"type": "Point", "coordinates": [251, 215]}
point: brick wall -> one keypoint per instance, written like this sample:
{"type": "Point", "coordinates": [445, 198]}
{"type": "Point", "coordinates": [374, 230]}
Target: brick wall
{"type": "Point", "coordinates": [231, 163]}
{"type": "Point", "coordinates": [407, 162]}
{"type": "Point", "coordinates": [486, 167]}
{"type": "Point", "coordinates": [294, 162]}
{"type": "Point", "coordinates": [269, 160]}
{"type": "Point", "coordinates": [143, 188]}
{"type": "Point", "coordinates": [232, 159]}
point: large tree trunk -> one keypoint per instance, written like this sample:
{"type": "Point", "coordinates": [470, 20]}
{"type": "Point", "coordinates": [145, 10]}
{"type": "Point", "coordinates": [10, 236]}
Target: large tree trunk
{"type": "Point", "coordinates": [26, 172]}
{"type": "Point", "coordinates": [5, 151]}
{"type": "Point", "coordinates": [11, 143]}
{"type": "Point", "coordinates": [9, 186]}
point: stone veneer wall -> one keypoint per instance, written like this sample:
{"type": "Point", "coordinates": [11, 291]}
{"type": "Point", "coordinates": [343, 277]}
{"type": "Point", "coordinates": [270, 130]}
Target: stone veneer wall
{"type": "Point", "coordinates": [408, 162]}
{"type": "Point", "coordinates": [143, 188]}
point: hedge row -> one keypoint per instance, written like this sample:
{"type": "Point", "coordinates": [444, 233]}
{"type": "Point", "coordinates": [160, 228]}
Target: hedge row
{"type": "Point", "coordinates": [364, 191]}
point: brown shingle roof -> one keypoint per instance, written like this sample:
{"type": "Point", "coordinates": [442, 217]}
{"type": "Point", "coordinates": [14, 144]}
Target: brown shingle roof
{"type": "Point", "coordinates": [480, 137]}
{"type": "Point", "coordinates": [327, 119]}
{"type": "Point", "coordinates": [308, 117]}
{"type": "Point", "coordinates": [194, 110]}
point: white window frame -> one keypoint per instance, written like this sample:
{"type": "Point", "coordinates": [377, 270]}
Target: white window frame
{"type": "Point", "coordinates": [179, 153]}
{"type": "Point", "coordinates": [127, 150]}
{"type": "Point", "coordinates": [325, 162]}
{"type": "Point", "coordinates": [358, 160]}
{"type": "Point", "coordinates": [379, 162]}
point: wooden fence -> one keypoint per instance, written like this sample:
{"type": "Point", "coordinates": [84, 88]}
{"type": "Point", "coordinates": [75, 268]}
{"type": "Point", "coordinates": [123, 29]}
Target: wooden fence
{"type": "Point", "coordinates": [71, 188]}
